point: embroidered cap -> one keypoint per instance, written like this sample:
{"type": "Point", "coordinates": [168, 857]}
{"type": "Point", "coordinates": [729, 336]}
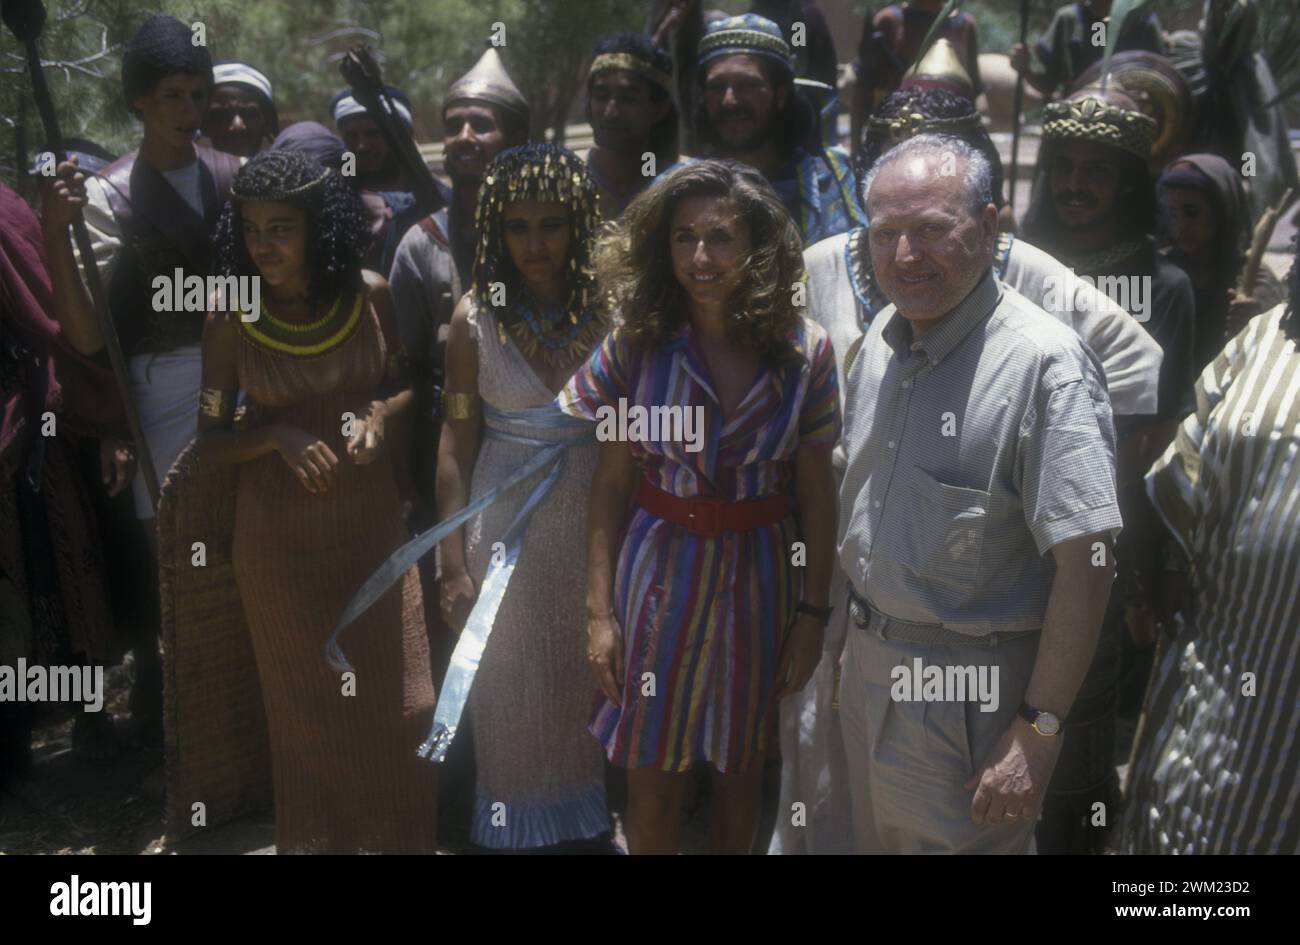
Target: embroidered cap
{"type": "Point", "coordinates": [748, 33]}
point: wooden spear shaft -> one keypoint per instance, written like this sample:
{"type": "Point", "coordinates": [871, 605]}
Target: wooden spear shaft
{"type": "Point", "coordinates": [45, 105]}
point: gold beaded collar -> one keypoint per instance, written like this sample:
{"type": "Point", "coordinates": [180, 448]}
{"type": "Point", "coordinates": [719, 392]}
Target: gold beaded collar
{"type": "Point", "coordinates": [310, 339]}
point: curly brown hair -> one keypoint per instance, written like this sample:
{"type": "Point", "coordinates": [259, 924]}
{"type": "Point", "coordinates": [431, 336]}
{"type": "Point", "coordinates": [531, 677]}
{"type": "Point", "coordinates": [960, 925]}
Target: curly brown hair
{"type": "Point", "coordinates": [635, 270]}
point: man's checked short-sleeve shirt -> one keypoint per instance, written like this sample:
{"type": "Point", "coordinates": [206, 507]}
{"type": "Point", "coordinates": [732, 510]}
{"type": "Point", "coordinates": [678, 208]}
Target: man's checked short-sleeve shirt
{"type": "Point", "coordinates": [972, 451]}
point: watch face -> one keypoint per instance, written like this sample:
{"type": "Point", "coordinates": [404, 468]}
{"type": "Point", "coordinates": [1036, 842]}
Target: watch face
{"type": "Point", "coordinates": [1047, 723]}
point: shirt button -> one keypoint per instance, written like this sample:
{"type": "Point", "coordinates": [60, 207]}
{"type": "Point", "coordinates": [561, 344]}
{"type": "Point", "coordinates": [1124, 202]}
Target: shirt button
{"type": "Point", "coordinates": [891, 444]}
{"type": "Point", "coordinates": [907, 383]}
{"type": "Point", "coordinates": [876, 503]}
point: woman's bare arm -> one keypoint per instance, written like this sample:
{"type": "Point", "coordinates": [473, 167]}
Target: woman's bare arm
{"type": "Point", "coordinates": [459, 443]}
{"type": "Point", "coordinates": [218, 441]}
{"type": "Point", "coordinates": [611, 491]}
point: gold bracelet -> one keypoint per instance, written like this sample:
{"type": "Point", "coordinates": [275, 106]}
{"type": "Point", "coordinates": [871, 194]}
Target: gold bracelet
{"type": "Point", "coordinates": [459, 406]}
{"type": "Point", "coordinates": [215, 403]}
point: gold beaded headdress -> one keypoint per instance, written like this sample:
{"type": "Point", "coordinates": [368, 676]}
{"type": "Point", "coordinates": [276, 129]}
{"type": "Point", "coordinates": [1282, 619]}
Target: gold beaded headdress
{"type": "Point", "coordinates": [536, 171]}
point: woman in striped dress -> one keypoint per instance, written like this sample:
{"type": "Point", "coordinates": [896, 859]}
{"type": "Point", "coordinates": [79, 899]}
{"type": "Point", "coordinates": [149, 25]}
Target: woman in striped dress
{"type": "Point", "coordinates": [708, 599]}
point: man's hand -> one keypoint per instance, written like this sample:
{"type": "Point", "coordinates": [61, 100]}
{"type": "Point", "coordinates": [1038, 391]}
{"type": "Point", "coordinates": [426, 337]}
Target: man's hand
{"type": "Point", "coordinates": [1012, 781]}
{"type": "Point", "coordinates": [62, 197]}
{"type": "Point", "coordinates": [116, 464]}
{"type": "Point", "coordinates": [1019, 57]}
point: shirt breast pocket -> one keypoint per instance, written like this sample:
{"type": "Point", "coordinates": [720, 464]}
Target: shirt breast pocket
{"type": "Point", "coordinates": [943, 530]}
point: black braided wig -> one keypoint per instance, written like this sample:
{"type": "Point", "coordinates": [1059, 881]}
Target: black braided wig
{"type": "Point", "coordinates": [536, 171]}
{"type": "Point", "coordinates": [929, 104]}
{"type": "Point", "coordinates": [338, 230]}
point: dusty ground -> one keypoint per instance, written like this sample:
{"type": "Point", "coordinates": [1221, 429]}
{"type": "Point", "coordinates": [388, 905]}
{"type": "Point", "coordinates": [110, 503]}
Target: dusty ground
{"type": "Point", "coordinates": [73, 805]}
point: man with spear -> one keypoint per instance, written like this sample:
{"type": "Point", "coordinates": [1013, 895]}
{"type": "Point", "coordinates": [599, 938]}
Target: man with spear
{"type": "Point", "coordinates": [149, 214]}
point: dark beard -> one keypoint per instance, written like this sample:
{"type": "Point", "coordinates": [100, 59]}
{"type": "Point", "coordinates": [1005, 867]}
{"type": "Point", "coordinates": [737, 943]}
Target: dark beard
{"type": "Point", "coordinates": [760, 137]}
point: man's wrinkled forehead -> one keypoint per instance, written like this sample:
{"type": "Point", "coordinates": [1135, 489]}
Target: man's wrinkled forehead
{"type": "Point", "coordinates": [914, 176]}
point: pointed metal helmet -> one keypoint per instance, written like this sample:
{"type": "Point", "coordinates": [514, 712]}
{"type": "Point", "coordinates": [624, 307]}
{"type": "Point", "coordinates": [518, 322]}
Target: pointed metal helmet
{"type": "Point", "coordinates": [942, 67]}
{"type": "Point", "coordinates": [489, 82]}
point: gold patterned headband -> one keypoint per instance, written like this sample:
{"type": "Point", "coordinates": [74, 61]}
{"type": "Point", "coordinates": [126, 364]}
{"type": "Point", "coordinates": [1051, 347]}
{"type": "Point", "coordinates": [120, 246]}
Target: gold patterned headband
{"type": "Point", "coordinates": [1092, 119]}
{"type": "Point", "coordinates": [283, 194]}
{"type": "Point", "coordinates": [622, 60]}
{"type": "Point", "coordinates": [912, 123]}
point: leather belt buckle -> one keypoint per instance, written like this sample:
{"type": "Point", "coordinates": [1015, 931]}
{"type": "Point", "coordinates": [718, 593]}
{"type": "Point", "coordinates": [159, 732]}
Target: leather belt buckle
{"type": "Point", "coordinates": [704, 518]}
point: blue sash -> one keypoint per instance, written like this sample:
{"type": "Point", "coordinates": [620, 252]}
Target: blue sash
{"type": "Point", "coordinates": [469, 648]}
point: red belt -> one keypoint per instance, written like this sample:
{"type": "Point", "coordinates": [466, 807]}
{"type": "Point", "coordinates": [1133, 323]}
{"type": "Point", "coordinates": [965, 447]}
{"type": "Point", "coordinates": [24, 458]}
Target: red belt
{"type": "Point", "coordinates": [710, 517]}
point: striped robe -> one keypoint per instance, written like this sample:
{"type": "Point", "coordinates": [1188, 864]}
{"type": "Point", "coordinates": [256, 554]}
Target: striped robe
{"type": "Point", "coordinates": [1220, 772]}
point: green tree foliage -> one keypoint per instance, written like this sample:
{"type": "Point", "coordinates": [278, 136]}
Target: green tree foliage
{"type": "Point", "coordinates": [423, 46]}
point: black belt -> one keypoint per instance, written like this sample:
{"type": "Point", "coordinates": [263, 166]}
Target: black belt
{"type": "Point", "coordinates": [905, 631]}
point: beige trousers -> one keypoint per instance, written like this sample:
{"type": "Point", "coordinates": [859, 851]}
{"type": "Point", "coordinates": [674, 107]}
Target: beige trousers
{"type": "Point", "coordinates": [908, 760]}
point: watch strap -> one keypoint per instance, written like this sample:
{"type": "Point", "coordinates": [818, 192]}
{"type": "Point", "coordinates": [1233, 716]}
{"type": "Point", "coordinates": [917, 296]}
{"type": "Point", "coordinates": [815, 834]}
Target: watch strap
{"type": "Point", "coordinates": [1030, 714]}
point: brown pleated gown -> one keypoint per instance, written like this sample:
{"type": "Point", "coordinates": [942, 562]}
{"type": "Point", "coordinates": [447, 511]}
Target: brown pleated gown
{"type": "Point", "coordinates": [346, 775]}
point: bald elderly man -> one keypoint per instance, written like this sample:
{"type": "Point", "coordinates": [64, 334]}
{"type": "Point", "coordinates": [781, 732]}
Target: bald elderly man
{"type": "Point", "coordinates": [976, 517]}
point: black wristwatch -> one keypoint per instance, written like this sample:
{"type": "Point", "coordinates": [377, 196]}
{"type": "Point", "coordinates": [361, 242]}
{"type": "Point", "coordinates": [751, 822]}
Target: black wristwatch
{"type": "Point", "coordinates": [1044, 723]}
{"type": "Point", "coordinates": [821, 613]}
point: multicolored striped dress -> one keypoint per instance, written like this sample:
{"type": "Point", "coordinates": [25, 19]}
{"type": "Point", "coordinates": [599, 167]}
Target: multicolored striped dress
{"type": "Point", "coordinates": [703, 618]}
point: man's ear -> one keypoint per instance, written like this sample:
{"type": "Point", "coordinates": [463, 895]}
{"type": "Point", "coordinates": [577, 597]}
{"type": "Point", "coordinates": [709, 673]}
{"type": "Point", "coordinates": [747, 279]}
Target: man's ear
{"type": "Point", "coordinates": [779, 99]}
{"type": "Point", "coordinates": [989, 223]}
{"type": "Point", "coordinates": [662, 108]}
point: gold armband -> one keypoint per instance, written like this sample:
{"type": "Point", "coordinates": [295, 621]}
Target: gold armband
{"type": "Point", "coordinates": [459, 406]}
{"type": "Point", "coordinates": [217, 404]}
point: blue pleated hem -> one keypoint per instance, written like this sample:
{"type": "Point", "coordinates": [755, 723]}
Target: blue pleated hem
{"type": "Point", "coordinates": [539, 825]}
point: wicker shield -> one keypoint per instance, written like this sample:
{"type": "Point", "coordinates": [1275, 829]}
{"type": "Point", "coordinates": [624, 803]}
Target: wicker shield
{"type": "Point", "coordinates": [216, 743]}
